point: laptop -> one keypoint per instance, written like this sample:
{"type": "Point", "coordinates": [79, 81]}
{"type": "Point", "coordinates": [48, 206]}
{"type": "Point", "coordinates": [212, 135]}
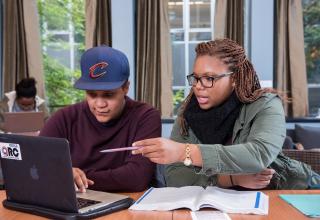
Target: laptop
{"type": "Point", "coordinates": [38, 179]}
{"type": "Point", "coordinates": [17, 122]}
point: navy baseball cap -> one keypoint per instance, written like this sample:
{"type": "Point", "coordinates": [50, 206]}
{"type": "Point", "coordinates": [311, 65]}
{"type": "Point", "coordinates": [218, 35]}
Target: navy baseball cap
{"type": "Point", "coordinates": [103, 68]}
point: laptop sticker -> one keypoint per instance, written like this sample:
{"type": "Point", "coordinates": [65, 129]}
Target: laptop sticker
{"type": "Point", "coordinates": [10, 151]}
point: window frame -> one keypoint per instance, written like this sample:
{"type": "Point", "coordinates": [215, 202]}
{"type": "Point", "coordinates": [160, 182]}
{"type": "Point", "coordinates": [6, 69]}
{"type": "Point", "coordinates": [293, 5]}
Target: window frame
{"type": "Point", "coordinates": [186, 30]}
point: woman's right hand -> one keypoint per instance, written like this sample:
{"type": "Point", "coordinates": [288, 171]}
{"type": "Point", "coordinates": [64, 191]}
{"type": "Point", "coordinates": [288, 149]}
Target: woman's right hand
{"type": "Point", "coordinates": [160, 150]}
{"type": "Point", "coordinates": [254, 181]}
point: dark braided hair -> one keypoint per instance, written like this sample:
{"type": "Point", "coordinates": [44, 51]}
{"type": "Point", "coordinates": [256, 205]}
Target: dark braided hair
{"type": "Point", "coordinates": [247, 85]}
{"type": "Point", "coordinates": [26, 88]}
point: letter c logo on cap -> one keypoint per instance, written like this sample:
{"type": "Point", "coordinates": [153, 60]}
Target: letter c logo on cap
{"type": "Point", "coordinates": [95, 70]}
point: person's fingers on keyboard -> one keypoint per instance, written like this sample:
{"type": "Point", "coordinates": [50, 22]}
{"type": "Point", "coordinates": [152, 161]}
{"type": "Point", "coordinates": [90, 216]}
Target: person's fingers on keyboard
{"type": "Point", "coordinates": [80, 179]}
{"type": "Point", "coordinates": [76, 187]}
{"type": "Point", "coordinates": [90, 182]}
{"type": "Point", "coordinates": [80, 184]}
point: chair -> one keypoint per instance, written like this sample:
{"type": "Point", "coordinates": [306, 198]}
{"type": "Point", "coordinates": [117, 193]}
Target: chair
{"type": "Point", "coordinates": [310, 157]}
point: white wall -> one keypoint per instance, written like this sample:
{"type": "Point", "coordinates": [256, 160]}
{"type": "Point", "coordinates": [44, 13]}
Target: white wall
{"type": "Point", "coordinates": [166, 129]}
{"type": "Point", "coordinates": [262, 19]}
{"type": "Point", "coordinates": [122, 12]}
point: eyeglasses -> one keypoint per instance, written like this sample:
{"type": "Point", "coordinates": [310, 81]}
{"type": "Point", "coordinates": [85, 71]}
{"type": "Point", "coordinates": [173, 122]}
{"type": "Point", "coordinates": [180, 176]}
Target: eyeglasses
{"type": "Point", "coordinates": [206, 81]}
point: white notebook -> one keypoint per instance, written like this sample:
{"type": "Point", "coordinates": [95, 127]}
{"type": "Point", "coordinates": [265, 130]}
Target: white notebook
{"type": "Point", "coordinates": [196, 197]}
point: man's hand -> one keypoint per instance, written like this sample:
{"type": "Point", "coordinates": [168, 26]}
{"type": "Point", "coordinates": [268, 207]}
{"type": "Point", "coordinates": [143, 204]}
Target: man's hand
{"type": "Point", "coordinates": [81, 182]}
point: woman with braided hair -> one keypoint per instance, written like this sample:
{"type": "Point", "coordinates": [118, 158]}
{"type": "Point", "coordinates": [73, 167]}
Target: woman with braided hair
{"type": "Point", "coordinates": [229, 130]}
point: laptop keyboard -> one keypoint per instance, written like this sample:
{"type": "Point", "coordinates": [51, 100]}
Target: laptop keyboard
{"type": "Point", "coordinates": [82, 203]}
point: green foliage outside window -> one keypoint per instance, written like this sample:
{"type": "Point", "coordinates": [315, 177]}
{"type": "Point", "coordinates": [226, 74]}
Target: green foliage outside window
{"type": "Point", "coordinates": [60, 19]}
{"type": "Point", "coordinates": [311, 19]}
{"type": "Point", "coordinates": [178, 97]}
{"type": "Point", "coordinates": [59, 84]}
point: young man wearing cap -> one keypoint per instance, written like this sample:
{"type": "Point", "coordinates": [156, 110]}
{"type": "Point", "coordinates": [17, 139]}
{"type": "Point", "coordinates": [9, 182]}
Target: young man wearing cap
{"type": "Point", "coordinates": [106, 119]}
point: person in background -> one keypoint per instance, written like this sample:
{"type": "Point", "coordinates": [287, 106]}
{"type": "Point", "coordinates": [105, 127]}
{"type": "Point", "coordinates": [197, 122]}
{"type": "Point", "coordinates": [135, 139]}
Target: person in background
{"type": "Point", "coordinates": [229, 131]}
{"type": "Point", "coordinates": [107, 119]}
{"type": "Point", "coordinates": [23, 99]}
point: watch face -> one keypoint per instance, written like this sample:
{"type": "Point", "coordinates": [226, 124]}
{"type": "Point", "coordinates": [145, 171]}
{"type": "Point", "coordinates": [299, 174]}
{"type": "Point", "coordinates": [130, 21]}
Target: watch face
{"type": "Point", "coordinates": [187, 162]}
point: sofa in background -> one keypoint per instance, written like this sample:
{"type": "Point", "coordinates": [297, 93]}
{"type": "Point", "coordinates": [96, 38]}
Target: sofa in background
{"type": "Point", "coordinates": [309, 137]}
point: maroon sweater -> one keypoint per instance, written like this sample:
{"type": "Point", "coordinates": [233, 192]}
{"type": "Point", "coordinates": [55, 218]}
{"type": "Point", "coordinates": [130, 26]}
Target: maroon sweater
{"type": "Point", "coordinates": [118, 171]}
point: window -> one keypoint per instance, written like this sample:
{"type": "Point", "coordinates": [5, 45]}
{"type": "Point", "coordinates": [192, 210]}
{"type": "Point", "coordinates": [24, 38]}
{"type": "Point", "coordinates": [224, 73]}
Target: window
{"type": "Point", "coordinates": [62, 38]}
{"type": "Point", "coordinates": [191, 22]}
{"type": "Point", "coordinates": [311, 18]}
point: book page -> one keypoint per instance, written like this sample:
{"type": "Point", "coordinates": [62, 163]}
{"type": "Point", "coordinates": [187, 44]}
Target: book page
{"type": "Point", "coordinates": [168, 198]}
{"type": "Point", "coordinates": [232, 201]}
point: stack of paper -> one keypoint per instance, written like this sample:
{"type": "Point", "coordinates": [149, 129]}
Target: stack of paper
{"type": "Point", "coordinates": [196, 197]}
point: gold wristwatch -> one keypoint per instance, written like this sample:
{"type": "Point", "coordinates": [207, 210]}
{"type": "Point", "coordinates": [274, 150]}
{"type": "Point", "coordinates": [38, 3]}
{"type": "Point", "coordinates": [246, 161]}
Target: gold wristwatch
{"type": "Point", "coordinates": [187, 161]}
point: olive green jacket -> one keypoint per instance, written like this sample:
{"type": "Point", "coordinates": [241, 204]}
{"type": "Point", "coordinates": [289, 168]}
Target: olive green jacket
{"type": "Point", "coordinates": [257, 140]}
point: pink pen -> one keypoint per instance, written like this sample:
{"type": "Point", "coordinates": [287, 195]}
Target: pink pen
{"type": "Point", "coordinates": [119, 149]}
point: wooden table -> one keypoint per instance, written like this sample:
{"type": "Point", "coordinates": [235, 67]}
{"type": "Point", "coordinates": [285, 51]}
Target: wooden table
{"type": "Point", "coordinates": [278, 210]}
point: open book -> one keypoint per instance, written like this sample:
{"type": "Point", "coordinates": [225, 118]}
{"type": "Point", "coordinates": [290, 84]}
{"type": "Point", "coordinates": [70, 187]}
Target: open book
{"type": "Point", "coordinates": [196, 197]}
